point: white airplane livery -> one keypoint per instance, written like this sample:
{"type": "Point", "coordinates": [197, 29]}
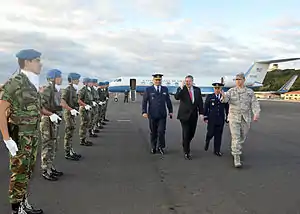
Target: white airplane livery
{"type": "Point", "coordinates": [254, 78]}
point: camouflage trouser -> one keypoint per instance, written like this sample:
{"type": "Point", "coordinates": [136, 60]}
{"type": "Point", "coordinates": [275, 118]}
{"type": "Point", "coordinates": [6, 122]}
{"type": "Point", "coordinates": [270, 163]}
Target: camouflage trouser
{"type": "Point", "coordinates": [105, 108]}
{"type": "Point", "coordinates": [239, 131]}
{"type": "Point", "coordinates": [85, 122]}
{"type": "Point", "coordinates": [70, 126]}
{"type": "Point", "coordinates": [49, 138]}
{"type": "Point", "coordinates": [95, 116]}
{"type": "Point", "coordinates": [22, 166]}
{"type": "Point", "coordinates": [101, 112]}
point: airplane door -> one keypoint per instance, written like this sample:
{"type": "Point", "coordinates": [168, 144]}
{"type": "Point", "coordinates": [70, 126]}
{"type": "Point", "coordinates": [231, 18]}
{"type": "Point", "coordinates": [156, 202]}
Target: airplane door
{"type": "Point", "coordinates": [133, 89]}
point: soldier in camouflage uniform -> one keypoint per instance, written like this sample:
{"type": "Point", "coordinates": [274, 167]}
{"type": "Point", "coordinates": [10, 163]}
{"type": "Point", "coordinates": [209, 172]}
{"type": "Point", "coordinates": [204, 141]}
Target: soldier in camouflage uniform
{"type": "Point", "coordinates": [102, 103]}
{"type": "Point", "coordinates": [95, 111]}
{"type": "Point", "coordinates": [107, 97]}
{"type": "Point", "coordinates": [69, 102]}
{"type": "Point", "coordinates": [50, 100]}
{"type": "Point", "coordinates": [243, 106]}
{"type": "Point", "coordinates": [19, 117]}
{"type": "Point", "coordinates": [85, 100]}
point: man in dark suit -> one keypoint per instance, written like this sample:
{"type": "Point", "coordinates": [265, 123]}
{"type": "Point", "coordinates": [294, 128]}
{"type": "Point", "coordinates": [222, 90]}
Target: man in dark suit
{"type": "Point", "coordinates": [215, 113]}
{"type": "Point", "coordinates": [191, 104]}
{"type": "Point", "coordinates": [158, 98]}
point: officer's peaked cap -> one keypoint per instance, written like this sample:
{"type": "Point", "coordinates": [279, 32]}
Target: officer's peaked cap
{"type": "Point", "coordinates": [94, 80]}
{"type": "Point", "coordinates": [101, 83]}
{"type": "Point", "coordinates": [217, 84]}
{"type": "Point", "coordinates": [28, 54]}
{"type": "Point", "coordinates": [86, 80]}
{"type": "Point", "coordinates": [157, 76]}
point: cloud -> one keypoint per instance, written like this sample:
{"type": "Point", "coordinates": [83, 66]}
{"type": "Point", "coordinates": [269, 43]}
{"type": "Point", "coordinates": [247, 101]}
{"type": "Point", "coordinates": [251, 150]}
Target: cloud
{"type": "Point", "coordinates": [106, 39]}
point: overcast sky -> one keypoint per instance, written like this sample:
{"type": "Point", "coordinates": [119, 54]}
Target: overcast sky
{"type": "Point", "coordinates": [111, 38]}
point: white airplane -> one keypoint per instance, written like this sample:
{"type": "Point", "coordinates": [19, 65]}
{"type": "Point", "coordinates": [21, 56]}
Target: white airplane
{"type": "Point", "coordinates": [285, 88]}
{"type": "Point", "coordinates": [254, 78]}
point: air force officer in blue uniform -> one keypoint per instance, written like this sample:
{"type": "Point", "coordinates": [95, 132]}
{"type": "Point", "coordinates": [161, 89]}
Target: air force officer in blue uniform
{"type": "Point", "coordinates": [155, 100]}
{"type": "Point", "coordinates": [215, 114]}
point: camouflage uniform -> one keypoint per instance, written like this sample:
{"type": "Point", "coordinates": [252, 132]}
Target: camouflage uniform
{"type": "Point", "coordinates": [102, 102]}
{"type": "Point", "coordinates": [69, 95]}
{"type": "Point", "coordinates": [107, 97]}
{"type": "Point", "coordinates": [23, 119]}
{"type": "Point", "coordinates": [242, 106]}
{"type": "Point", "coordinates": [50, 100]}
{"type": "Point", "coordinates": [95, 110]}
{"type": "Point", "coordinates": [85, 95]}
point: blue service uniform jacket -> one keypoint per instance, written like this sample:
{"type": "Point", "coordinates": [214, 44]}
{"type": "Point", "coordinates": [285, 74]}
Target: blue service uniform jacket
{"type": "Point", "coordinates": [215, 111]}
{"type": "Point", "coordinates": [155, 103]}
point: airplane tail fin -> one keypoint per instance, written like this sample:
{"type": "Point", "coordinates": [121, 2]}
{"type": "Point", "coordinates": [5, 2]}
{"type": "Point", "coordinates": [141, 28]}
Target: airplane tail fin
{"type": "Point", "coordinates": [258, 71]}
{"type": "Point", "coordinates": [287, 86]}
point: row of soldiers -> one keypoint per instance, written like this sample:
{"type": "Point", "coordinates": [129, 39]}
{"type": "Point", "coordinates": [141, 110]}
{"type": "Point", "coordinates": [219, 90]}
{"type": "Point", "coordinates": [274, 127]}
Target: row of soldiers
{"type": "Point", "coordinates": [90, 102]}
{"type": "Point", "coordinates": [28, 110]}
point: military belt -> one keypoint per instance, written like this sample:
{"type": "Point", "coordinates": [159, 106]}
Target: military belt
{"type": "Point", "coordinates": [27, 127]}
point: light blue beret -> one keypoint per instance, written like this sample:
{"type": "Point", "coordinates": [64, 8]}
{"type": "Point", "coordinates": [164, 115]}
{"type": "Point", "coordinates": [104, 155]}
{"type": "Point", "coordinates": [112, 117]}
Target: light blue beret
{"type": "Point", "coordinates": [74, 76]}
{"type": "Point", "coordinates": [28, 54]}
{"type": "Point", "coordinates": [53, 73]}
{"type": "Point", "coordinates": [86, 80]}
{"type": "Point", "coordinates": [94, 80]}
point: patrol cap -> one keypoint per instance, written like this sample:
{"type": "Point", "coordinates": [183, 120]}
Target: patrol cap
{"type": "Point", "coordinates": [157, 76]}
{"type": "Point", "coordinates": [28, 54]}
{"type": "Point", "coordinates": [86, 80]}
{"type": "Point", "coordinates": [217, 84]}
{"type": "Point", "coordinates": [94, 80]}
{"type": "Point", "coordinates": [74, 76]}
{"type": "Point", "coordinates": [53, 73]}
{"type": "Point", "coordinates": [240, 76]}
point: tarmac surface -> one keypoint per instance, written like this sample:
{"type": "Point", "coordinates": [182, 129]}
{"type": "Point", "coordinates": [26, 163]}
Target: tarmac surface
{"type": "Point", "coordinates": [118, 175]}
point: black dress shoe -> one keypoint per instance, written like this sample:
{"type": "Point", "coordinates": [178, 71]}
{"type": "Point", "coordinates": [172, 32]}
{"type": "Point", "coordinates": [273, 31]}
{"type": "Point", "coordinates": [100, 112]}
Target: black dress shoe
{"type": "Point", "coordinates": [153, 151]}
{"type": "Point", "coordinates": [206, 145]}
{"type": "Point", "coordinates": [218, 154]}
{"type": "Point", "coordinates": [187, 157]}
{"type": "Point", "coordinates": [29, 209]}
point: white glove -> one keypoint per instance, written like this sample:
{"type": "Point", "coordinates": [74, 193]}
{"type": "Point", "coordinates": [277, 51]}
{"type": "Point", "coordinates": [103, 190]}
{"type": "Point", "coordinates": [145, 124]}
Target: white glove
{"type": "Point", "coordinates": [88, 107]}
{"type": "Point", "coordinates": [100, 103]}
{"type": "Point", "coordinates": [11, 146]}
{"type": "Point", "coordinates": [54, 118]}
{"type": "Point", "coordinates": [106, 98]}
{"type": "Point", "coordinates": [103, 102]}
{"type": "Point", "coordinates": [74, 112]}
{"type": "Point", "coordinates": [94, 103]}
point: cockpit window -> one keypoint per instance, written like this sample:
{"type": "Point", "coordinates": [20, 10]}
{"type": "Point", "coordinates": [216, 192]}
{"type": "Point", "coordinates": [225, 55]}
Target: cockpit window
{"type": "Point", "coordinates": [118, 80]}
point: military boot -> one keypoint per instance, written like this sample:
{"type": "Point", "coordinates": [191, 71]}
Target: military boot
{"type": "Point", "coordinates": [71, 156]}
{"type": "Point", "coordinates": [26, 208]}
{"type": "Point", "coordinates": [56, 173]}
{"type": "Point", "coordinates": [83, 142]}
{"type": "Point", "coordinates": [74, 153]}
{"type": "Point", "coordinates": [92, 134]}
{"type": "Point", "coordinates": [49, 176]}
{"type": "Point", "coordinates": [99, 125]}
{"type": "Point", "coordinates": [237, 161]}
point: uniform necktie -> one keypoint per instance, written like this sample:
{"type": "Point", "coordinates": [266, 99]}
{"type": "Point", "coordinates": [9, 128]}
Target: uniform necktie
{"type": "Point", "coordinates": [191, 95]}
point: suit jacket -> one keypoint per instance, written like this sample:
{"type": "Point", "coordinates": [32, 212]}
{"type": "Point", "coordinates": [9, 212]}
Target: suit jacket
{"type": "Point", "coordinates": [187, 108]}
{"type": "Point", "coordinates": [214, 110]}
{"type": "Point", "coordinates": [158, 101]}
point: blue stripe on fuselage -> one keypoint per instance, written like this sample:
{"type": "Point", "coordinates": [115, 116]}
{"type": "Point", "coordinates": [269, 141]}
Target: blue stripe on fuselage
{"type": "Point", "coordinates": [172, 89]}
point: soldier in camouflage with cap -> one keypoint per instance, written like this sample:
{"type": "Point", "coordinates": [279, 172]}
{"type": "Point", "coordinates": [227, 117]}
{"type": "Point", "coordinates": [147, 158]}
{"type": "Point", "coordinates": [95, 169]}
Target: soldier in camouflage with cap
{"type": "Point", "coordinates": [69, 102]}
{"type": "Point", "coordinates": [50, 100]}
{"type": "Point", "coordinates": [102, 103]}
{"type": "Point", "coordinates": [243, 107]}
{"type": "Point", "coordinates": [95, 110]}
{"type": "Point", "coordinates": [106, 99]}
{"type": "Point", "coordinates": [19, 117]}
{"type": "Point", "coordinates": [85, 100]}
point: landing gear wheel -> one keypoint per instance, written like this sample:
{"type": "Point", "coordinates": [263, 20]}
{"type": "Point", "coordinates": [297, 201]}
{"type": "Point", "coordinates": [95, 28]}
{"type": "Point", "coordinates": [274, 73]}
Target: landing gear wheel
{"type": "Point", "coordinates": [116, 99]}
